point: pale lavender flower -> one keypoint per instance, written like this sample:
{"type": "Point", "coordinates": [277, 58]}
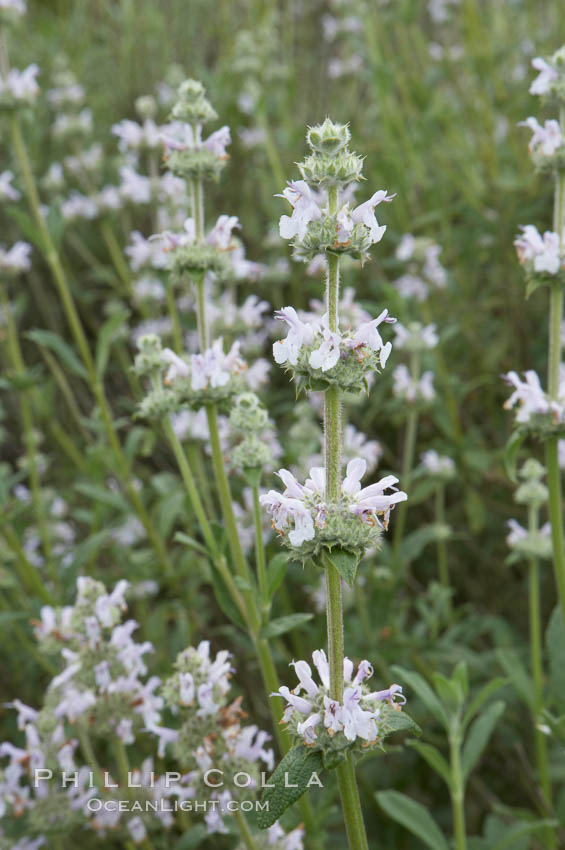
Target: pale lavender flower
{"type": "Point", "coordinates": [15, 259]}
{"type": "Point", "coordinates": [7, 191]}
{"type": "Point", "coordinates": [546, 77]}
{"type": "Point", "coordinates": [20, 85]}
{"type": "Point", "coordinates": [542, 252]}
{"type": "Point", "coordinates": [305, 209]}
{"type": "Point", "coordinates": [547, 138]}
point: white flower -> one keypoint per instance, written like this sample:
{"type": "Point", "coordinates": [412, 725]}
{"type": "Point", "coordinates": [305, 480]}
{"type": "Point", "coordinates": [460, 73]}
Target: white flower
{"type": "Point", "coordinates": [220, 235]}
{"type": "Point", "coordinates": [300, 333]}
{"type": "Point", "coordinates": [547, 138]}
{"type": "Point", "coordinates": [543, 253]}
{"type": "Point", "coordinates": [16, 6]}
{"type": "Point", "coordinates": [109, 199]}
{"type": "Point", "coordinates": [283, 511]}
{"type": "Point", "coordinates": [371, 502]}
{"type": "Point", "coordinates": [437, 464]}
{"type": "Point", "coordinates": [136, 829]}
{"type": "Point", "coordinates": [365, 213]}
{"type": "Point", "coordinates": [16, 258]}
{"type": "Point", "coordinates": [79, 206]}
{"type": "Point", "coordinates": [65, 124]}
{"type": "Point", "coordinates": [20, 85]}
{"type": "Point", "coordinates": [305, 209]}
{"type": "Point", "coordinates": [415, 336]}
{"type": "Point", "coordinates": [146, 252]}
{"type": "Point", "coordinates": [134, 136]}
{"type": "Point", "coordinates": [213, 368]}
{"type": "Point", "coordinates": [327, 355]}
{"type": "Point", "coordinates": [7, 191]}
{"type": "Point", "coordinates": [405, 387]}
{"type": "Point", "coordinates": [134, 187]}
{"type": "Point", "coordinates": [218, 141]}
{"type": "Point", "coordinates": [178, 368]}
{"type": "Point", "coordinates": [405, 248]}
{"type": "Point", "coordinates": [546, 77]}
{"type": "Point", "coordinates": [530, 398]}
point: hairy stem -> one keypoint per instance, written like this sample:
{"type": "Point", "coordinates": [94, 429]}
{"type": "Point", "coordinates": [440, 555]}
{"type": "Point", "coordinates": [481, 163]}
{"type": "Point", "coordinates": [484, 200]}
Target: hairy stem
{"type": "Point", "coordinates": [536, 661]}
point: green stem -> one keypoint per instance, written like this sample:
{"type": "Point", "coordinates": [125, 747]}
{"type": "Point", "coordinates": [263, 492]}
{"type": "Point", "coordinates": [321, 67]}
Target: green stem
{"type": "Point", "coordinates": [536, 660]}
{"type": "Point", "coordinates": [457, 791]}
{"type": "Point", "coordinates": [203, 332]}
{"type": "Point", "coordinates": [262, 578]}
{"type": "Point", "coordinates": [115, 252]}
{"type": "Point", "coordinates": [225, 496]}
{"type": "Point", "coordinates": [194, 453]}
{"type": "Point", "coordinates": [554, 363]}
{"type": "Point", "coordinates": [19, 368]}
{"type": "Point", "coordinates": [243, 827]}
{"type": "Point", "coordinates": [351, 805]}
{"type": "Point", "coordinates": [174, 317]}
{"type": "Point", "coordinates": [442, 563]}
{"type": "Point", "coordinates": [29, 575]}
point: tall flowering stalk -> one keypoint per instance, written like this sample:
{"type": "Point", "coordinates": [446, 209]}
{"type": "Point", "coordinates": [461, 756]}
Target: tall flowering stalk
{"type": "Point", "coordinates": [330, 520]}
{"type": "Point", "coordinates": [543, 258]}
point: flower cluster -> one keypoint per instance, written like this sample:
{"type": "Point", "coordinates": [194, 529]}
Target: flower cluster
{"type": "Point", "coordinates": [550, 81]}
{"type": "Point", "coordinates": [186, 153]}
{"type": "Point", "coordinates": [438, 466]}
{"type": "Point", "coordinates": [424, 272]}
{"type": "Point", "coordinates": [307, 522]}
{"type": "Point", "coordinates": [532, 492]}
{"type": "Point", "coordinates": [320, 222]}
{"type": "Point", "coordinates": [15, 260]}
{"type": "Point", "coordinates": [411, 389]}
{"type": "Point", "coordinates": [543, 257]}
{"type": "Point", "coordinates": [535, 410]}
{"type": "Point", "coordinates": [250, 421]}
{"type": "Point", "coordinates": [19, 88]}
{"type": "Point", "coordinates": [415, 336]}
{"type": "Point", "coordinates": [547, 145]}
{"type": "Point", "coordinates": [211, 740]}
{"type": "Point", "coordinates": [361, 720]}
{"type": "Point", "coordinates": [102, 695]}
{"type": "Point", "coordinates": [190, 255]}
{"type": "Point", "coordinates": [319, 357]}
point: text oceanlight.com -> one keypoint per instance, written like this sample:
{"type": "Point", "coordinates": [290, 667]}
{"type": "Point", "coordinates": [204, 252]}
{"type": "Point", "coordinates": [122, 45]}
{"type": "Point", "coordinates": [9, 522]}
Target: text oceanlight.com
{"type": "Point", "coordinates": [96, 804]}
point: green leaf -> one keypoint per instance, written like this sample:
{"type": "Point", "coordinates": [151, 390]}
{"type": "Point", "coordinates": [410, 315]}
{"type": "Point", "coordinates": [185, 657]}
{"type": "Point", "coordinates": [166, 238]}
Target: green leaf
{"type": "Point", "coordinates": [521, 830]}
{"type": "Point", "coordinates": [434, 758]}
{"type": "Point", "coordinates": [345, 563]}
{"type": "Point", "coordinates": [55, 223]}
{"type": "Point", "coordinates": [194, 837]}
{"type": "Point", "coordinates": [253, 476]}
{"type": "Point", "coordinates": [106, 336]}
{"type": "Point", "coordinates": [511, 452]}
{"type": "Point", "coordinates": [448, 690]}
{"type": "Point", "coordinates": [276, 572]}
{"type": "Point", "coordinates": [103, 495]}
{"type": "Point", "coordinates": [424, 692]}
{"type": "Point", "coordinates": [391, 720]}
{"type": "Point", "coordinates": [186, 540]}
{"type": "Point", "coordinates": [516, 672]}
{"type": "Point", "coordinates": [555, 641]}
{"type": "Point", "coordinates": [284, 624]}
{"type": "Point", "coordinates": [479, 735]}
{"type": "Point", "coordinates": [220, 535]}
{"type": "Point", "coordinates": [414, 816]}
{"type": "Point", "coordinates": [62, 349]}
{"type": "Point", "coordinates": [414, 543]}
{"type": "Point", "coordinates": [295, 769]}
{"type": "Point", "coordinates": [477, 703]}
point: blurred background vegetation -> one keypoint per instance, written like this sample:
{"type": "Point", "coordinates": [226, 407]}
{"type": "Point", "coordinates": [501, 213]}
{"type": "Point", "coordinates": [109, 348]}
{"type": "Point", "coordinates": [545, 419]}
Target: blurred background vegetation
{"type": "Point", "coordinates": [433, 101]}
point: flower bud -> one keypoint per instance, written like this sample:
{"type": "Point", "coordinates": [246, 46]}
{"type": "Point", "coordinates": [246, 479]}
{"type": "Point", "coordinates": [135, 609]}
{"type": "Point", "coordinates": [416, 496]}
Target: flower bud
{"type": "Point", "coordinates": [192, 105]}
{"type": "Point", "coordinates": [146, 106]}
{"type": "Point", "coordinates": [328, 138]}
